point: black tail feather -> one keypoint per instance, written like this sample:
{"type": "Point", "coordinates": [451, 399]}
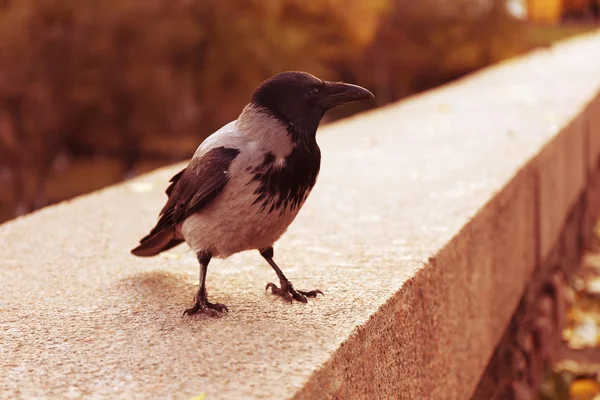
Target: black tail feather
{"type": "Point", "coordinates": [156, 243]}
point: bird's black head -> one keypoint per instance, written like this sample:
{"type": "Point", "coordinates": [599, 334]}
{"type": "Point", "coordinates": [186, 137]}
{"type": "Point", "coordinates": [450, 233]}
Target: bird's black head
{"type": "Point", "coordinates": [301, 99]}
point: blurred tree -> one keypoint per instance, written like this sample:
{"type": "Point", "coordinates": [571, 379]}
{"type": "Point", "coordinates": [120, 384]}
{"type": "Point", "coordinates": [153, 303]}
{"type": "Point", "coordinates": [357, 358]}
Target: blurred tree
{"type": "Point", "coordinates": [123, 77]}
{"type": "Point", "coordinates": [151, 78]}
{"type": "Point", "coordinates": [426, 43]}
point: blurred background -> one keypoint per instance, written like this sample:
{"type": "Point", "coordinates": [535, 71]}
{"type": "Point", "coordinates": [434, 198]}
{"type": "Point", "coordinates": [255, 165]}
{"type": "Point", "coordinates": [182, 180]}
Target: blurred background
{"type": "Point", "coordinates": [93, 92]}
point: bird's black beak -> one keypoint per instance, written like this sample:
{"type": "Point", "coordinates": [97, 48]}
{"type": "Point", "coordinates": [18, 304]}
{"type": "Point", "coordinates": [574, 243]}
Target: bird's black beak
{"type": "Point", "coordinates": [337, 93]}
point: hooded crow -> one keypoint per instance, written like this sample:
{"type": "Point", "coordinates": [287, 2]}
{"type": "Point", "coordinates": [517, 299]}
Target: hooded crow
{"type": "Point", "coordinates": [247, 181]}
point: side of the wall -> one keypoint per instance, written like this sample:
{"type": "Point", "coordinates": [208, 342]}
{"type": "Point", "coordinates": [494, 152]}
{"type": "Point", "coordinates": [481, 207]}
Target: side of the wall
{"type": "Point", "coordinates": [523, 244]}
{"type": "Point", "coordinates": [535, 331]}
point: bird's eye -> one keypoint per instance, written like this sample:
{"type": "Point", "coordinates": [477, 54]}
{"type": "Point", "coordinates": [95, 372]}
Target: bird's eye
{"type": "Point", "coordinates": [314, 92]}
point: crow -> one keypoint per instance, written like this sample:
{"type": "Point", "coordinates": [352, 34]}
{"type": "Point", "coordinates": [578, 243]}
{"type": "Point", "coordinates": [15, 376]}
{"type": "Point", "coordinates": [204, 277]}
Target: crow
{"type": "Point", "coordinates": [247, 181]}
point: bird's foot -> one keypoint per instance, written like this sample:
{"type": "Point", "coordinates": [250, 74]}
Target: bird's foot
{"type": "Point", "coordinates": [288, 292]}
{"type": "Point", "coordinates": [202, 305]}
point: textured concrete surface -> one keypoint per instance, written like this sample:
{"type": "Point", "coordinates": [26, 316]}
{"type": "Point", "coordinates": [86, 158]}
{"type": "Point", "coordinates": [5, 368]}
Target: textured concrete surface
{"type": "Point", "coordinates": [531, 341]}
{"type": "Point", "coordinates": [563, 170]}
{"type": "Point", "coordinates": [420, 232]}
{"type": "Point", "coordinates": [593, 127]}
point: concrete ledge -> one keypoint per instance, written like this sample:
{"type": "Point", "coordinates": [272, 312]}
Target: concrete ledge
{"type": "Point", "coordinates": [592, 117]}
{"type": "Point", "coordinates": [428, 220]}
{"type": "Point", "coordinates": [530, 342]}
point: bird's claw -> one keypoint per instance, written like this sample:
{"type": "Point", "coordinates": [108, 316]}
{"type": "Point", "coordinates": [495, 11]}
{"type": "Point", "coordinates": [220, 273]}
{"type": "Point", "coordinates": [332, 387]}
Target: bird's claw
{"type": "Point", "coordinates": [287, 292]}
{"type": "Point", "coordinates": [206, 307]}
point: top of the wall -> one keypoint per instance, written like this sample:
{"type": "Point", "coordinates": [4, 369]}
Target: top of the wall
{"type": "Point", "coordinates": [401, 233]}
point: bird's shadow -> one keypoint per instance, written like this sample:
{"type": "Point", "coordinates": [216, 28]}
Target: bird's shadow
{"type": "Point", "coordinates": [157, 291]}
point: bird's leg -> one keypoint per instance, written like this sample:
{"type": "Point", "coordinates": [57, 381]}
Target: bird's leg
{"type": "Point", "coordinates": [202, 304]}
{"type": "Point", "coordinates": [286, 291]}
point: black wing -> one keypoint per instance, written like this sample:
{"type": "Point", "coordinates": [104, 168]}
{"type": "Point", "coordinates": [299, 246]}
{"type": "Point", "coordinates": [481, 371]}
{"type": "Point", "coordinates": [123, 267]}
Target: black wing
{"type": "Point", "coordinates": [190, 190]}
{"type": "Point", "coordinates": [196, 186]}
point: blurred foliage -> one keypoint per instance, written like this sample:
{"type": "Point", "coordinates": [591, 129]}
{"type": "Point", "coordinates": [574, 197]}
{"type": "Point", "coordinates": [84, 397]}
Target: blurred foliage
{"type": "Point", "coordinates": [426, 43]}
{"type": "Point", "coordinates": [581, 9]}
{"type": "Point", "coordinates": [133, 80]}
{"type": "Point", "coordinates": [140, 76]}
{"type": "Point", "coordinates": [575, 374]}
